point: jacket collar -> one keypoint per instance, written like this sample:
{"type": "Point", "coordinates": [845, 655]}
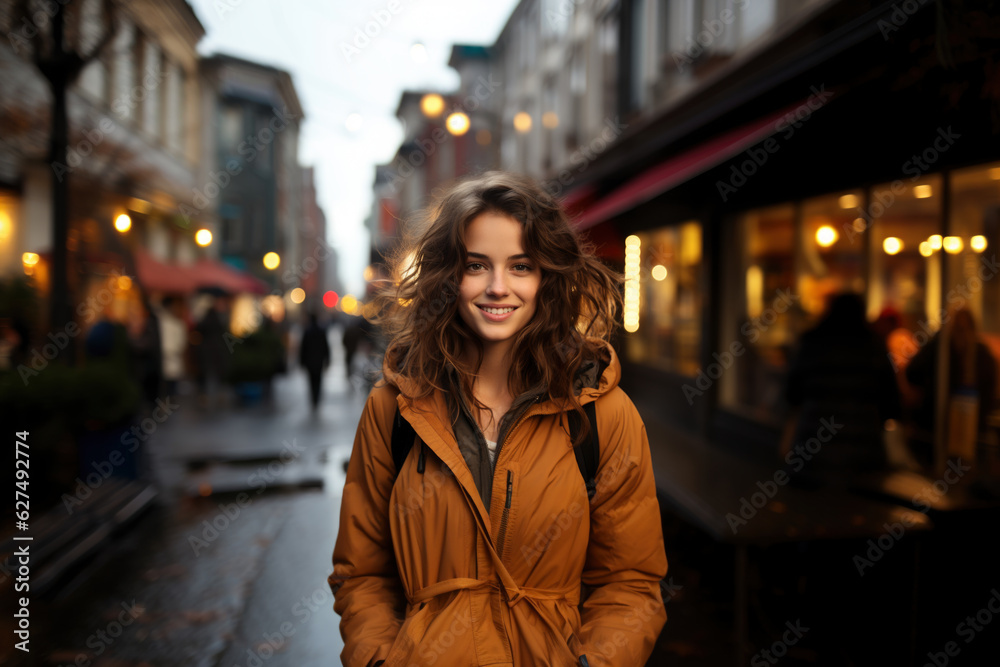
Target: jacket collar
{"type": "Point", "coordinates": [595, 378]}
{"type": "Point", "coordinates": [430, 417]}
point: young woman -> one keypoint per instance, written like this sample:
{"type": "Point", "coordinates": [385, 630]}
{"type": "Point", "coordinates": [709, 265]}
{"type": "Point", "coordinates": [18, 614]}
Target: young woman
{"type": "Point", "coordinates": [484, 548]}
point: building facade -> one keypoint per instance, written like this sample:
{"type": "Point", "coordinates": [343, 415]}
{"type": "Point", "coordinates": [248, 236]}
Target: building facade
{"type": "Point", "coordinates": [742, 161]}
{"type": "Point", "coordinates": [133, 148]}
{"type": "Point", "coordinates": [252, 180]}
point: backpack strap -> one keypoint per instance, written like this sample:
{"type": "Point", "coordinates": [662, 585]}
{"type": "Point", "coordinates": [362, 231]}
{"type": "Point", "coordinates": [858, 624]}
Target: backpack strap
{"type": "Point", "coordinates": [588, 453]}
{"type": "Point", "coordinates": [403, 437]}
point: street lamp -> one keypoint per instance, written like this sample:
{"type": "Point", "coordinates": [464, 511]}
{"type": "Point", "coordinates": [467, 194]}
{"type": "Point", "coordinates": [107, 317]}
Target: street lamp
{"type": "Point", "coordinates": [203, 237]}
{"type": "Point", "coordinates": [123, 223]}
{"type": "Point", "coordinates": [522, 122]}
{"type": "Point", "coordinates": [432, 105]}
{"type": "Point", "coordinates": [457, 123]}
{"type": "Point", "coordinates": [271, 261]}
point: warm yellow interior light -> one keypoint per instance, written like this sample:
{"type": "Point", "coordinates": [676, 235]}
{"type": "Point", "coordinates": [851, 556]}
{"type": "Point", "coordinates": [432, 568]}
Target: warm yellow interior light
{"type": "Point", "coordinates": [952, 245]}
{"type": "Point", "coordinates": [848, 201]}
{"type": "Point", "coordinates": [826, 236]}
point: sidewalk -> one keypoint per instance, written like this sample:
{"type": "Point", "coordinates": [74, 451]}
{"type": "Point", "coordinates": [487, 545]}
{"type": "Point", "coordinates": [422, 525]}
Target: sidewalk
{"type": "Point", "coordinates": [237, 577]}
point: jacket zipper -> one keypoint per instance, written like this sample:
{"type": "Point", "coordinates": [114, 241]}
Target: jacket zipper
{"type": "Point", "coordinates": [501, 536]}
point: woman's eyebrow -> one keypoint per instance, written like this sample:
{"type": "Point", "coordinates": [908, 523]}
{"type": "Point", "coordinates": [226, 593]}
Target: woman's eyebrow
{"type": "Point", "coordinates": [479, 255]}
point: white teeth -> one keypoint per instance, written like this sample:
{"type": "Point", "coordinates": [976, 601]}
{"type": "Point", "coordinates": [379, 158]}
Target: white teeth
{"type": "Point", "coordinates": [498, 311]}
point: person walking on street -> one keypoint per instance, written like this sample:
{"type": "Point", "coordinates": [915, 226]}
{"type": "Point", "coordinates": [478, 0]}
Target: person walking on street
{"type": "Point", "coordinates": [149, 355]}
{"type": "Point", "coordinates": [314, 356]}
{"type": "Point", "coordinates": [212, 352]}
{"type": "Point", "coordinates": [174, 342]}
{"type": "Point", "coordinates": [486, 534]}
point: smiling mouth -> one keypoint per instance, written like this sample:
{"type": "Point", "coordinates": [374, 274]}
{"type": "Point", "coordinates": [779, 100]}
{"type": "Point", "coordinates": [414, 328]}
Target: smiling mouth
{"type": "Point", "coordinates": [497, 311]}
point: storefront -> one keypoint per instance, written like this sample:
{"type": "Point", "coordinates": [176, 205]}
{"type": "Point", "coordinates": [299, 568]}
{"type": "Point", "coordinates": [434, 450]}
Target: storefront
{"type": "Point", "coordinates": [735, 231]}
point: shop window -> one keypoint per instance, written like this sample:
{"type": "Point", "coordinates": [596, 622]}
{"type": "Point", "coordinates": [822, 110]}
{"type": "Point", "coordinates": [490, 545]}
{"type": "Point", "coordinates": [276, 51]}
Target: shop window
{"type": "Point", "coordinates": [662, 270]}
{"type": "Point", "coordinates": [831, 250]}
{"type": "Point", "coordinates": [975, 221]}
{"type": "Point", "coordinates": [761, 314]}
{"type": "Point", "coordinates": [905, 251]}
{"type": "Point", "coordinates": [231, 128]}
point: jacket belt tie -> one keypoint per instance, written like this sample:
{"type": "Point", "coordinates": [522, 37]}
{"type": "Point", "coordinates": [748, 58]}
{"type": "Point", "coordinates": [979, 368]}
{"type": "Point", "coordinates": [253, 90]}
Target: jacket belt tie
{"type": "Point", "coordinates": [571, 595]}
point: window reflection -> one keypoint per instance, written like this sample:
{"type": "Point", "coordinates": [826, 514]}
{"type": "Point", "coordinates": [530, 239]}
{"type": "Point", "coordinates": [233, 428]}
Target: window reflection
{"type": "Point", "coordinates": [975, 219]}
{"type": "Point", "coordinates": [832, 249]}
{"type": "Point", "coordinates": [669, 330]}
{"type": "Point", "coordinates": [904, 277]}
{"type": "Point", "coordinates": [761, 309]}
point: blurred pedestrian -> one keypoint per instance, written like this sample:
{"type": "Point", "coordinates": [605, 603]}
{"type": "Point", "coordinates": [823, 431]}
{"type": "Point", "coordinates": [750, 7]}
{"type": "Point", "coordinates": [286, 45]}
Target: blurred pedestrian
{"type": "Point", "coordinates": [173, 342]}
{"type": "Point", "coordinates": [314, 356]}
{"type": "Point", "coordinates": [842, 391]}
{"type": "Point", "coordinates": [498, 348]}
{"type": "Point", "coordinates": [358, 337]}
{"type": "Point", "coordinates": [971, 389]}
{"type": "Point", "coordinates": [15, 339]}
{"type": "Point", "coordinates": [148, 354]}
{"type": "Point", "coordinates": [902, 346]}
{"type": "Point", "coordinates": [212, 351]}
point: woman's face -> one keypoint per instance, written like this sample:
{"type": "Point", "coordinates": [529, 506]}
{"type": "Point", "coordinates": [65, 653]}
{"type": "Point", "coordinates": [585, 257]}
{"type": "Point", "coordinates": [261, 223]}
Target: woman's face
{"type": "Point", "coordinates": [500, 282]}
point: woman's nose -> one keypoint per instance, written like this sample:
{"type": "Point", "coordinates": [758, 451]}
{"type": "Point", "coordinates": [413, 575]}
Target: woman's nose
{"type": "Point", "coordinates": [498, 284]}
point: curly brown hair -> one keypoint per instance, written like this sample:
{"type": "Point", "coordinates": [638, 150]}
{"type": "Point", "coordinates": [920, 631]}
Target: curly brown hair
{"type": "Point", "coordinates": [579, 296]}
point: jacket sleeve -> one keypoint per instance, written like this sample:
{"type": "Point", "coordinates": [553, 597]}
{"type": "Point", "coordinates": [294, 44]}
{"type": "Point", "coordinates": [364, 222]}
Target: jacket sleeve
{"type": "Point", "coordinates": [626, 561]}
{"type": "Point", "coordinates": [368, 595]}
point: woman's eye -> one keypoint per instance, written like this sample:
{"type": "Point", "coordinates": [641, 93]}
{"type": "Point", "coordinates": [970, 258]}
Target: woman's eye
{"type": "Point", "coordinates": [474, 266]}
{"type": "Point", "coordinates": [524, 268]}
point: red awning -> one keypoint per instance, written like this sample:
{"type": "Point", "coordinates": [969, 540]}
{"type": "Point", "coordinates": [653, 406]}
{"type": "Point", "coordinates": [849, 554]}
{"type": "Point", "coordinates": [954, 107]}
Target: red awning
{"type": "Point", "coordinates": [157, 276]}
{"type": "Point", "coordinates": [211, 273]}
{"type": "Point", "coordinates": [666, 175]}
{"type": "Point", "coordinates": [576, 202]}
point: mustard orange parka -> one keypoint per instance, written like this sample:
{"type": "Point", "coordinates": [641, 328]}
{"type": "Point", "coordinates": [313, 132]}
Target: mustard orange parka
{"type": "Point", "coordinates": [427, 573]}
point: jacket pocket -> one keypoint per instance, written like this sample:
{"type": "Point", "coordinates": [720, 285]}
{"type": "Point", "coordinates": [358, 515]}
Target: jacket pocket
{"type": "Point", "coordinates": [410, 634]}
{"type": "Point", "coordinates": [574, 645]}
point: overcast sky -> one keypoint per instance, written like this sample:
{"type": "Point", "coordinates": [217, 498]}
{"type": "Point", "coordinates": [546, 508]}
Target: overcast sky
{"type": "Point", "coordinates": [307, 38]}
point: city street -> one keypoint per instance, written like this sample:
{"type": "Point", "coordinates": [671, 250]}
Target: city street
{"type": "Point", "coordinates": [752, 244]}
{"type": "Point", "coordinates": [237, 577]}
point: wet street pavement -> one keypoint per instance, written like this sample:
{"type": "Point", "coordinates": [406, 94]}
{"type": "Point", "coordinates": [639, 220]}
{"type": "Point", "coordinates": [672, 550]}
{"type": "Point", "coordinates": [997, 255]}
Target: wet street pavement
{"type": "Point", "coordinates": [230, 567]}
